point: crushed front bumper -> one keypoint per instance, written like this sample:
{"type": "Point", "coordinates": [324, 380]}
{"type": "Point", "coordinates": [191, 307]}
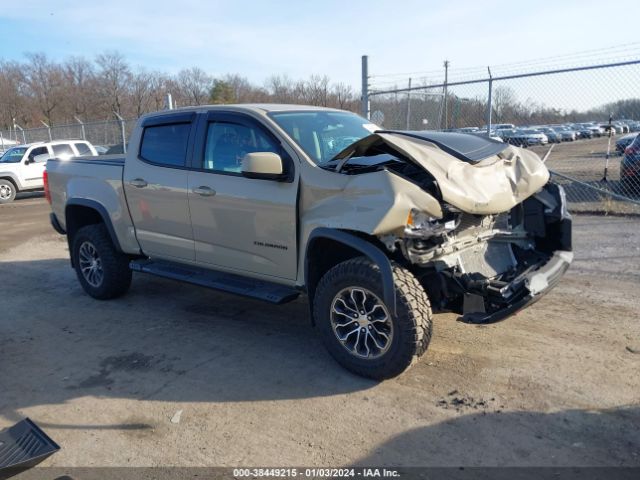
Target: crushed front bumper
{"type": "Point", "coordinates": [523, 291]}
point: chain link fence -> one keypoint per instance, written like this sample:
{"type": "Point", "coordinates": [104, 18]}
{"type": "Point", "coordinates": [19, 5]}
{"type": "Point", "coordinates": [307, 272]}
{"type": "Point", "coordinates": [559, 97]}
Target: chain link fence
{"type": "Point", "coordinates": [107, 133]}
{"type": "Point", "coordinates": [569, 108]}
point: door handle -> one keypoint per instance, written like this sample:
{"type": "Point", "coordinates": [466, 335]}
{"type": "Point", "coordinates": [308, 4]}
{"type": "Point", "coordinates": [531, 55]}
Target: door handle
{"type": "Point", "coordinates": [138, 183]}
{"type": "Point", "coordinates": [204, 191]}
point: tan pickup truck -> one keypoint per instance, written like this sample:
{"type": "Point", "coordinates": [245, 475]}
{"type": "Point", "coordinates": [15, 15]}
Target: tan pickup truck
{"type": "Point", "coordinates": [378, 228]}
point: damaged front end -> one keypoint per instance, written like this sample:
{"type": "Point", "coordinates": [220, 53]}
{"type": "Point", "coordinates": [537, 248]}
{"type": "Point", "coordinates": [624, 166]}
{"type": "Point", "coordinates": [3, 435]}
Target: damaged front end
{"type": "Point", "coordinates": [502, 235]}
{"type": "Point", "coordinates": [487, 267]}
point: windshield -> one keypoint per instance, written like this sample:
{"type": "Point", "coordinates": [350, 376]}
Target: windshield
{"type": "Point", "coordinates": [13, 155]}
{"type": "Point", "coordinates": [323, 134]}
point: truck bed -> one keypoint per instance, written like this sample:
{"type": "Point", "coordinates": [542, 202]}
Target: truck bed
{"type": "Point", "coordinates": [96, 182]}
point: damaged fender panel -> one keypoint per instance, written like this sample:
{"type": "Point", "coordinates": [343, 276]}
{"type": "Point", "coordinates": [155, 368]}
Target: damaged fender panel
{"type": "Point", "coordinates": [491, 185]}
{"type": "Point", "coordinates": [375, 203]}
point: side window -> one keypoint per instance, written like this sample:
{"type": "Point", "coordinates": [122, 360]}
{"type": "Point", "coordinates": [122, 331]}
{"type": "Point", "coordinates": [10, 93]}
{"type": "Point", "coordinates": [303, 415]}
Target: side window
{"type": "Point", "coordinates": [166, 144]}
{"type": "Point", "coordinates": [227, 143]}
{"type": "Point", "coordinates": [38, 151]}
{"type": "Point", "coordinates": [62, 150]}
{"type": "Point", "coordinates": [83, 149]}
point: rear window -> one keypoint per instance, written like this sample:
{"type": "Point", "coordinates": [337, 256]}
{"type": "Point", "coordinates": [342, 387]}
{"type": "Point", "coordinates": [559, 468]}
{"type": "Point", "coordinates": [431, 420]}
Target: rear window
{"type": "Point", "coordinates": [166, 144]}
{"type": "Point", "coordinates": [83, 149]}
{"type": "Point", "coordinates": [63, 149]}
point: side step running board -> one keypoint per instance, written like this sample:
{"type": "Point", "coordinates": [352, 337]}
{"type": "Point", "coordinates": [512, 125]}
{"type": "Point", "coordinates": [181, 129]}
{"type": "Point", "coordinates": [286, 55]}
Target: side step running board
{"type": "Point", "coordinates": [23, 446]}
{"type": "Point", "coordinates": [226, 282]}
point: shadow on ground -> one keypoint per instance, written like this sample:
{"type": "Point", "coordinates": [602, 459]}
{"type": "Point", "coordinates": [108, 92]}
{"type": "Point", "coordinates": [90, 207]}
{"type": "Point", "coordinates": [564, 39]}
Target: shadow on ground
{"type": "Point", "coordinates": [566, 438]}
{"type": "Point", "coordinates": [163, 341]}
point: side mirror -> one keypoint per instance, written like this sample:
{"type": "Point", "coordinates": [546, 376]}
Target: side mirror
{"type": "Point", "coordinates": [263, 165]}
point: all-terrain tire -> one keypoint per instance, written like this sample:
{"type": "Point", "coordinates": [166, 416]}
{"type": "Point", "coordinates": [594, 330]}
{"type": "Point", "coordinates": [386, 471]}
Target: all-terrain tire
{"type": "Point", "coordinates": [7, 191]}
{"type": "Point", "coordinates": [412, 323]}
{"type": "Point", "coordinates": [116, 274]}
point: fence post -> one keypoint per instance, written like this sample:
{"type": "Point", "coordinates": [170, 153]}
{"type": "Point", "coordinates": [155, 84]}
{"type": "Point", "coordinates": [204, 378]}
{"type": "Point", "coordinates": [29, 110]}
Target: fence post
{"type": "Point", "coordinates": [364, 107]}
{"type": "Point", "coordinates": [446, 94]}
{"type": "Point", "coordinates": [409, 105]}
{"type": "Point", "coordinates": [2, 140]}
{"type": "Point", "coordinates": [84, 134]}
{"type": "Point", "coordinates": [168, 102]}
{"type": "Point", "coordinates": [123, 132]}
{"type": "Point", "coordinates": [16, 127]}
{"type": "Point", "coordinates": [489, 102]}
{"type": "Point", "coordinates": [48, 129]}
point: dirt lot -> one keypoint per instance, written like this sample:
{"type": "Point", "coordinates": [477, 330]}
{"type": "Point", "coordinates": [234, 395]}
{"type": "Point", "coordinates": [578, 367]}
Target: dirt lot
{"type": "Point", "coordinates": [557, 384]}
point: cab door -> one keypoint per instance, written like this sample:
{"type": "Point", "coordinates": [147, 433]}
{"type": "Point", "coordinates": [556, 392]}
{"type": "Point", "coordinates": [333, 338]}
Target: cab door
{"type": "Point", "coordinates": [241, 224]}
{"type": "Point", "coordinates": [155, 183]}
{"type": "Point", "coordinates": [33, 166]}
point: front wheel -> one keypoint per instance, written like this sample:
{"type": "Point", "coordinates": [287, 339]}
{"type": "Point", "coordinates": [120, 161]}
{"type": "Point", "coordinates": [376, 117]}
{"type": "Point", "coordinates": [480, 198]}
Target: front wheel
{"type": "Point", "coordinates": [360, 331]}
{"type": "Point", "coordinates": [7, 191]}
{"type": "Point", "coordinates": [103, 271]}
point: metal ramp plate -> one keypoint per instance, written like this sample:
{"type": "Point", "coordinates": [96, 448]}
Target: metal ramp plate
{"type": "Point", "coordinates": [23, 446]}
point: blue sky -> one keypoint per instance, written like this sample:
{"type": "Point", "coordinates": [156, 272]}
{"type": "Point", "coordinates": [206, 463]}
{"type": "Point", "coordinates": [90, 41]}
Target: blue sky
{"type": "Point", "coordinates": [298, 38]}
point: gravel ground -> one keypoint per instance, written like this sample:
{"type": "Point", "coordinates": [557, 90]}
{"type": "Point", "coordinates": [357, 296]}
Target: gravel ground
{"type": "Point", "coordinates": [173, 374]}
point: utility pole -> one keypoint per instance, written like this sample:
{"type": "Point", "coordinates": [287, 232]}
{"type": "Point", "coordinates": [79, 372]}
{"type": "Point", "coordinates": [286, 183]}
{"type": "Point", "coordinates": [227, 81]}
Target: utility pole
{"type": "Point", "coordinates": [446, 80]}
{"type": "Point", "coordinates": [364, 107]}
{"type": "Point", "coordinates": [409, 105]}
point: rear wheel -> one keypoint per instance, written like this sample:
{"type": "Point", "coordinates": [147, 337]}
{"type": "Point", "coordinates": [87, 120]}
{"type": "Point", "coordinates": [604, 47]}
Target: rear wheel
{"type": "Point", "coordinates": [7, 191]}
{"type": "Point", "coordinates": [103, 272]}
{"type": "Point", "coordinates": [360, 330]}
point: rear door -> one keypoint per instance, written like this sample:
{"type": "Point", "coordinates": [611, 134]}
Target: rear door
{"type": "Point", "coordinates": [155, 183]}
{"type": "Point", "coordinates": [241, 224]}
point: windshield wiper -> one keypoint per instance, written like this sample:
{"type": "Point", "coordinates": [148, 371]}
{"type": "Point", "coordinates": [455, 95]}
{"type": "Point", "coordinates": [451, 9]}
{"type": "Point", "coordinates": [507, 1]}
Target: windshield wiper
{"type": "Point", "coordinates": [341, 162]}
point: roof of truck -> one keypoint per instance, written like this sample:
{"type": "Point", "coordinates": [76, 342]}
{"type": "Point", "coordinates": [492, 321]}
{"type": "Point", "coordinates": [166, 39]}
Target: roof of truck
{"type": "Point", "coordinates": [256, 107]}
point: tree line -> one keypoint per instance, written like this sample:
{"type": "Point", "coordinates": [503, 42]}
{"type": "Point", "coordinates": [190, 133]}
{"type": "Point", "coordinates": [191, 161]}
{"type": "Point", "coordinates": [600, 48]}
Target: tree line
{"type": "Point", "coordinates": [39, 89]}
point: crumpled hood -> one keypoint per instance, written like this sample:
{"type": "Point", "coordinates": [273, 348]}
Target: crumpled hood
{"type": "Point", "coordinates": [471, 183]}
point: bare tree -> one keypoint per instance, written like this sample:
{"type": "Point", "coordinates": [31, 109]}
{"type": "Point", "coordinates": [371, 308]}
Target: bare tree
{"type": "Point", "coordinates": [244, 91]}
{"type": "Point", "coordinates": [504, 103]}
{"type": "Point", "coordinates": [13, 99]}
{"type": "Point", "coordinates": [44, 81]}
{"type": "Point", "coordinates": [160, 86]}
{"type": "Point", "coordinates": [113, 80]}
{"type": "Point", "coordinates": [141, 91]}
{"type": "Point", "coordinates": [80, 87]}
{"type": "Point", "coordinates": [280, 88]}
{"type": "Point", "coordinates": [343, 95]}
{"type": "Point", "coordinates": [318, 90]}
{"type": "Point", "coordinates": [195, 85]}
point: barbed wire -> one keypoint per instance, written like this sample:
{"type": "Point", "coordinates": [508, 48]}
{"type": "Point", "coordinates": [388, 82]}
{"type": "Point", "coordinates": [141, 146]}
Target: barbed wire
{"type": "Point", "coordinates": [592, 56]}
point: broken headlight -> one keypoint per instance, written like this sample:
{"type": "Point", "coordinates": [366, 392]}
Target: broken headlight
{"type": "Point", "coordinates": [423, 225]}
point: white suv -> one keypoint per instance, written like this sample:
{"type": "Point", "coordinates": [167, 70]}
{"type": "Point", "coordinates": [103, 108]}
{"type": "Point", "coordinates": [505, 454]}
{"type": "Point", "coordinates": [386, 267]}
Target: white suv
{"type": "Point", "coordinates": [22, 166]}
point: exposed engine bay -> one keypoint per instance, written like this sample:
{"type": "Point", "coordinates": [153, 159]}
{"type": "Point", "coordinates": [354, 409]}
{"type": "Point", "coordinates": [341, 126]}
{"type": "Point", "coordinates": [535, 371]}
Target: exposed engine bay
{"type": "Point", "coordinates": [482, 265]}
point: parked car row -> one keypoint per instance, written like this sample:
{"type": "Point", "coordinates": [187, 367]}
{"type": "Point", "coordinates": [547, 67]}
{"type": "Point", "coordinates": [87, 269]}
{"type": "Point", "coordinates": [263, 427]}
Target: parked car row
{"type": "Point", "coordinates": [529, 135]}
